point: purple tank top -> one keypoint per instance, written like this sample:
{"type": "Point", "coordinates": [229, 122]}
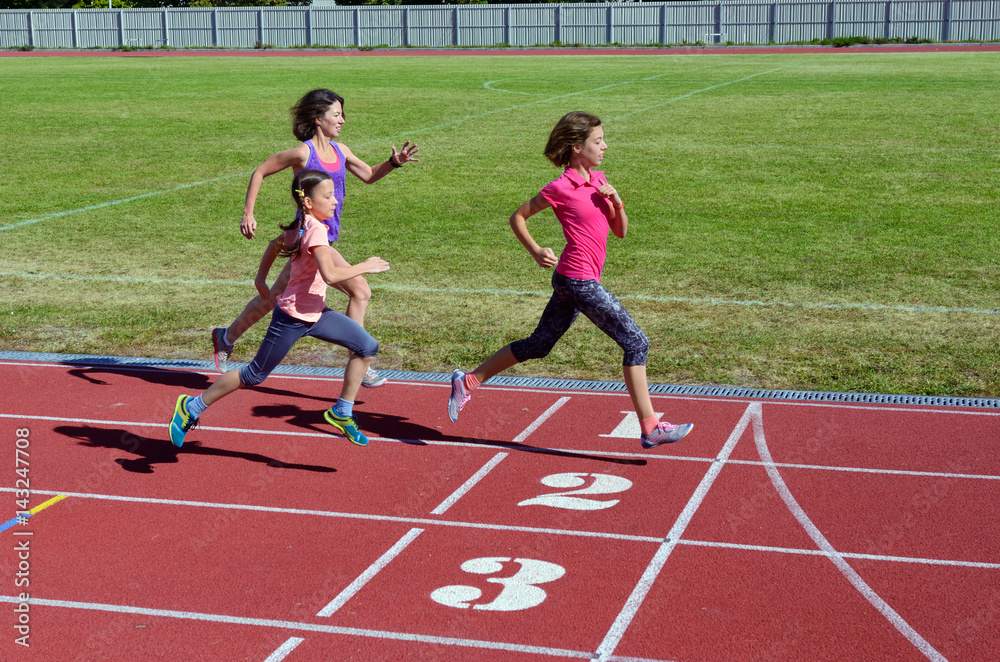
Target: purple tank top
{"type": "Point", "coordinates": [338, 177]}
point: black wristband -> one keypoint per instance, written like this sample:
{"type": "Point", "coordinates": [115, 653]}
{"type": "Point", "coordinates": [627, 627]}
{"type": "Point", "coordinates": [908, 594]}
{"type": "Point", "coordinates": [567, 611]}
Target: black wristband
{"type": "Point", "coordinates": [394, 164]}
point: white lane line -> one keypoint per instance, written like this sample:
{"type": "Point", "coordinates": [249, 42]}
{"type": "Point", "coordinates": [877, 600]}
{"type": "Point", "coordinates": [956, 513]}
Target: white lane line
{"type": "Point", "coordinates": [293, 625]}
{"type": "Point", "coordinates": [541, 419]}
{"type": "Point", "coordinates": [713, 301]}
{"type": "Point", "coordinates": [596, 453]}
{"type": "Point", "coordinates": [368, 574]}
{"type": "Point", "coordinates": [81, 364]}
{"type": "Point", "coordinates": [468, 485]}
{"type": "Point", "coordinates": [838, 559]}
{"type": "Point", "coordinates": [846, 555]}
{"type": "Point", "coordinates": [500, 527]}
{"type": "Point", "coordinates": [284, 650]}
{"type": "Point", "coordinates": [628, 612]}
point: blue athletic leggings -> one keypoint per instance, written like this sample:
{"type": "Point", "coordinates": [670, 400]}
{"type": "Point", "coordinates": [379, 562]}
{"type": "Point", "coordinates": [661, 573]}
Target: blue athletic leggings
{"type": "Point", "coordinates": [285, 330]}
{"type": "Point", "coordinates": [570, 297]}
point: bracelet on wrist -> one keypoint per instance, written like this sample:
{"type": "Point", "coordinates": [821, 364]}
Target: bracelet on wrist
{"type": "Point", "coordinates": [393, 163]}
{"type": "Point", "coordinates": [620, 207]}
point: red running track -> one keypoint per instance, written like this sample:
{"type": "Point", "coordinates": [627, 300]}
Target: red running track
{"type": "Point", "coordinates": [535, 528]}
{"type": "Point", "coordinates": [405, 52]}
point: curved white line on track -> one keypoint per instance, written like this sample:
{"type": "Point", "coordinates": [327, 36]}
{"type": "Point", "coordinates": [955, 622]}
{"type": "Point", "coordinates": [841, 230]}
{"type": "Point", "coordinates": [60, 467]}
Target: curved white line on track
{"type": "Point", "coordinates": [836, 558]}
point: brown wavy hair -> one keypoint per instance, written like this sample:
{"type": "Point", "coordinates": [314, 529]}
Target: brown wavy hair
{"type": "Point", "coordinates": [572, 129]}
{"type": "Point", "coordinates": [314, 104]}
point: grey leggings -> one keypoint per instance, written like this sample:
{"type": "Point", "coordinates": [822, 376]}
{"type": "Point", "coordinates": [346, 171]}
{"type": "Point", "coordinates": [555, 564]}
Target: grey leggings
{"type": "Point", "coordinates": [333, 327]}
{"type": "Point", "coordinates": [570, 297]}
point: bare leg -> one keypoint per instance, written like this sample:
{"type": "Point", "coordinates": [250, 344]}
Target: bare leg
{"type": "Point", "coordinates": [257, 309]}
{"type": "Point", "coordinates": [357, 290]}
{"type": "Point", "coordinates": [638, 390]}
{"type": "Point", "coordinates": [222, 387]}
{"type": "Point", "coordinates": [353, 374]}
{"type": "Point", "coordinates": [502, 359]}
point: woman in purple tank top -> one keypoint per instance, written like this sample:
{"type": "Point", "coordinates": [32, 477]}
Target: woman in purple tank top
{"type": "Point", "coordinates": [316, 120]}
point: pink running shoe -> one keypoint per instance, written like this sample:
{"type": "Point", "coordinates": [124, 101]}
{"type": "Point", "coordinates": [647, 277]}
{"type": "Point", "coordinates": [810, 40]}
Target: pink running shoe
{"type": "Point", "coordinates": [665, 433]}
{"type": "Point", "coordinates": [459, 396]}
{"type": "Point", "coordinates": [223, 350]}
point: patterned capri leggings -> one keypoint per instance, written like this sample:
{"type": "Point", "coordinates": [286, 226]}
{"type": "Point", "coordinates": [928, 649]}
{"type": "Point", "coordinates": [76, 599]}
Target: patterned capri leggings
{"type": "Point", "coordinates": [285, 330]}
{"type": "Point", "coordinates": [570, 297]}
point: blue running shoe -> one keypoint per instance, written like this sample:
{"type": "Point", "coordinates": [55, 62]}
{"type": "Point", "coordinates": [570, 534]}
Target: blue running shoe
{"type": "Point", "coordinates": [665, 433]}
{"type": "Point", "coordinates": [459, 396]}
{"type": "Point", "coordinates": [181, 421]}
{"type": "Point", "coordinates": [346, 425]}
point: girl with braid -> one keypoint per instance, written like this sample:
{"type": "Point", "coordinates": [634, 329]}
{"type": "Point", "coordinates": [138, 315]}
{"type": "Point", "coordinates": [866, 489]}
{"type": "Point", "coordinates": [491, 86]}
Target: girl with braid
{"type": "Point", "coordinates": [301, 311]}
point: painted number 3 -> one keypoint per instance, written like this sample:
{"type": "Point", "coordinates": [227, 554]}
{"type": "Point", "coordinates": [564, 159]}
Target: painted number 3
{"type": "Point", "coordinates": [576, 499]}
{"type": "Point", "coordinates": [519, 590]}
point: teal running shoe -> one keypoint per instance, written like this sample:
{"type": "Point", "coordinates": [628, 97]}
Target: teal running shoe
{"type": "Point", "coordinates": [346, 425]}
{"type": "Point", "coordinates": [181, 421]}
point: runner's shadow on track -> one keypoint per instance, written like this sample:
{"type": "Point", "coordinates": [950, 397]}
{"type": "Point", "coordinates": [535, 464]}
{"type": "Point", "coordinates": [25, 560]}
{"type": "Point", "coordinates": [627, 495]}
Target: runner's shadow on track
{"type": "Point", "coordinates": [401, 429]}
{"type": "Point", "coordinates": [178, 378]}
{"type": "Point", "coordinates": [190, 381]}
{"type": "Point", "coordinates": [151, 452]}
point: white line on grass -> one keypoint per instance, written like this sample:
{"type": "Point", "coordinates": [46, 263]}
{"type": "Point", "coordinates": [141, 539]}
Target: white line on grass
{"type": "Point", "coordinates": [714, 301]}
{"type": "Point", "coordinates": [505, 528]}
{"type": "Point", "coordinates": [468, 485]}
{"type": "Point", "coordinates": [628, 612]}
{"type": "Point", "coordinates": [368, 574]}
{"type": "Point", "coordinates": [284, 650]}
{"type": "Point", "coordinates": [120, 202]}
{"type": "Point", "coordinates": [376, 140]}
{"type": "Point", "coordinates": [689, 94]}
{"type": "Point", "coordinates": [541, 419]}
{"type": "Point", "coordinates": [292, 625]}
{"type": "Point", "coordinates": [836, 558]}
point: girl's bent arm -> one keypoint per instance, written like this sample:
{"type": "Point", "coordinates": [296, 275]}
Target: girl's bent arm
{"type": "Point", "coordinates": [296, 158]}
{"type": "Point", "coordinates": [545, 257]}
{"type": "Point", "coordinates": [266, 261]}
{"type": "Point", "coordinates": [333, 274]}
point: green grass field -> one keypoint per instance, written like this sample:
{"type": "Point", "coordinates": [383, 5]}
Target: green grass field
{"type": "Point", "coordinates": [807, 221]}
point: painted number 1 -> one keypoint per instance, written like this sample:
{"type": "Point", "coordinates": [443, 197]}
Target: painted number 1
{"type": "Point", "coordinates": [519, 590]}
{"type": "Point", "coordinates": [579, 499]}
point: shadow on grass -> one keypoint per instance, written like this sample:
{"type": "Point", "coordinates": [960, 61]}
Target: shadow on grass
{"type": "Point", "coordinates": [402, 429]}
{"type": "Point", "coordinates": [151, 452]}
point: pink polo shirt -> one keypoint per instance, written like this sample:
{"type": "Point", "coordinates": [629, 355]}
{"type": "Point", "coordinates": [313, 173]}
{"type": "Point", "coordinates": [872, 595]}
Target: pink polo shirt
{"type": "Point", "coordinates": [583, 213]}
{"type": "Point", "coordinates": [305, 296]}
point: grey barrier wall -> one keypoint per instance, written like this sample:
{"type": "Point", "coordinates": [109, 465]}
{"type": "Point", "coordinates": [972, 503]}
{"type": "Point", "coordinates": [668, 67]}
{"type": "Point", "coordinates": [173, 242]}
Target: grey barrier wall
{"type": "Point", "coordinates": [741, 22]}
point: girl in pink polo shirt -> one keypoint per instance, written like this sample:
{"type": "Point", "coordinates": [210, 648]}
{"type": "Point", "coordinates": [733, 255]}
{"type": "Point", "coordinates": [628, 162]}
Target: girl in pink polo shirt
{"type": "Point", "coordinates": [588, 207]}
{"type": "Point", "coordinates": [301, 311]}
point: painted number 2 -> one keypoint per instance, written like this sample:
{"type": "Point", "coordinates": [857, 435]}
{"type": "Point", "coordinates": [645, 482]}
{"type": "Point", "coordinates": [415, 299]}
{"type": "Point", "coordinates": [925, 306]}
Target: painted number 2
{"type": "Point", "coordinates": [575, 500]}
{"type": "Point", "coordinates": [519, 591]}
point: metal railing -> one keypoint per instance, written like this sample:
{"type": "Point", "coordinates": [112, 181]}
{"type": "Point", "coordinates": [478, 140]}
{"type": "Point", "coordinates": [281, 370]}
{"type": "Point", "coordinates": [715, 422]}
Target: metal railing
{"type": "Point", "coordinates": [645, 23]}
